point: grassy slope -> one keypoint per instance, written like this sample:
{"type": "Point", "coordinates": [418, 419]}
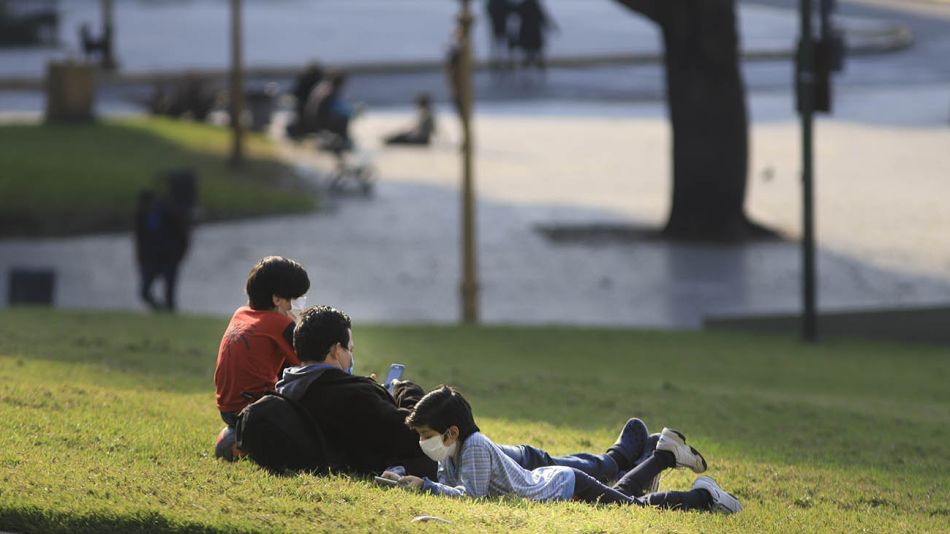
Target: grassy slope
{"type": "Point", "coordinates": [108, 421]}
{"type": "Point", "coordinates": [67, 179]}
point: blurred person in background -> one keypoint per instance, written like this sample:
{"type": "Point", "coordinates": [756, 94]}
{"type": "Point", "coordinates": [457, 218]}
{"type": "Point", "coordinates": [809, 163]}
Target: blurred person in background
{"type": "Point", "coordinates": [421, 132]}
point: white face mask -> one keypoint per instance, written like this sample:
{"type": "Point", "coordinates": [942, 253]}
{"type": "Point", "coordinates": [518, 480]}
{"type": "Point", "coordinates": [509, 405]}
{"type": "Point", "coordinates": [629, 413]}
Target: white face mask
{"type": "Point", "coordinates": [435, 449]}
{"type": "Point", "coordinates": [298, 305]}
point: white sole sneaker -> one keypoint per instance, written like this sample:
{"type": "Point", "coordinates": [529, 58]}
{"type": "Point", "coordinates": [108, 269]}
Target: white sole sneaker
{"type": "Point", "coordinates": [722, 501]}
{"type": "Point", "coordinates": [686, 456]}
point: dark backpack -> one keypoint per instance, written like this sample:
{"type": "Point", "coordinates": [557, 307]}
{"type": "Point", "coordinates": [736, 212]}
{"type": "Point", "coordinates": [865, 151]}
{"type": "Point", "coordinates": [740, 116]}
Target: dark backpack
{"type": "Point", "coordinates": [280, 435]}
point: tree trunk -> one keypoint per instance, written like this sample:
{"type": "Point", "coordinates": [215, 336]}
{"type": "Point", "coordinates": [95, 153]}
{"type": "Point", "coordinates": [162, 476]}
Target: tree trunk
{"type": "Point", "coordinates": [706, 99]}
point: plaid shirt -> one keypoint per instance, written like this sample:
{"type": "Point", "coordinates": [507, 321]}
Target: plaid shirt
{"type": "Point", "coordinates": [484, 470]}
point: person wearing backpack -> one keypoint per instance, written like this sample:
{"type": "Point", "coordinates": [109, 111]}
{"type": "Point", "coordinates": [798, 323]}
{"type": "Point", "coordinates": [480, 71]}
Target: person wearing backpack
{"type": "Point", "coordinates": [359, 418]}
{"type": "Point", "coordinates": [258, 342]}
{"type": "Point", "coordinates": [365, 425]}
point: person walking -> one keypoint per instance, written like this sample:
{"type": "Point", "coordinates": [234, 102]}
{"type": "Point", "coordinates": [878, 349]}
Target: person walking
{"type": "Point", "coordinates": [499, 14]}
{"type": "Point", "coordinates": [534, 25]}
{"type": "Point", "coordinates": [161, 241]}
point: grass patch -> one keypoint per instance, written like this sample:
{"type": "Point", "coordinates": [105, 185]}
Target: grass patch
{"type": "Point", "coordinates": [108, 422]}
{"type": "Point", "coordinates": [68, 179]}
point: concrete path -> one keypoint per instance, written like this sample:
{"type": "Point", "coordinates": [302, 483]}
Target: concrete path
{"type": "Point", "coordinates": [882, 165]}
{"type": "Point", "coordinates": [158, 37]}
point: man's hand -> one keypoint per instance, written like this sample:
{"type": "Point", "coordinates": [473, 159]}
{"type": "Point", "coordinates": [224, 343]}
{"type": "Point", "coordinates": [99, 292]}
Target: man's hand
{"type": "Point", "coordinates": [410, 482]}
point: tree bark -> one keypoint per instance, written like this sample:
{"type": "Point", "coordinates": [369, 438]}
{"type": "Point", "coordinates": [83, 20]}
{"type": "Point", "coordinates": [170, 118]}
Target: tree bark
{"type": "Point", "coordinates": [706, 101]}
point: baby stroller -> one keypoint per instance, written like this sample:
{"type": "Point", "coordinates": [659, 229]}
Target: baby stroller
{"type": "Point", "coordinates": [328, 116]}
{"type": "Point", "coordinates": [353, 168]}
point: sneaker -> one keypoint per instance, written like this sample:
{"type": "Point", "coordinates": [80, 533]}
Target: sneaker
{"type": "Point", "coordinates": [686, 456]}
{"type": "Point", "coordinates": [225, 446]}
{"type": "Point", "coordinates": [722, 501]}
{"type": "Point", "coordinates": [630, 442]}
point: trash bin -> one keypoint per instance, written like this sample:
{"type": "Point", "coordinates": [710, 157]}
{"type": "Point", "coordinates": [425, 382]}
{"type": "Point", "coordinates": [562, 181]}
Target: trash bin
{"type": "Point", "coordinates": [70, 91]}
{"type": "Point", "coordinates": [31, 286]}
{"type": "Point", "coordinates": [260, 105]}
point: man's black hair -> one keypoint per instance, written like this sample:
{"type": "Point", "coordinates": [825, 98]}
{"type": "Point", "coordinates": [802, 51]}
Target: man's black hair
{"type": "Point", "coordinates": [442, 408]}
{"type": "Point", "coordinates": [275, 275]}
{"type": "Point", "coordinates": [318, 329]}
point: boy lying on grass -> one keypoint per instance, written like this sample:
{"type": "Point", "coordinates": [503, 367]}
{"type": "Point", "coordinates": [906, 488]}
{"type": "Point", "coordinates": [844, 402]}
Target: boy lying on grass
{"type": "Point", "coordinates": [472, 465]}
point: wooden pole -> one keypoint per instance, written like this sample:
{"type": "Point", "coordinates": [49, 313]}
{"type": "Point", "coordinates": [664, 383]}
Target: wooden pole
{"type": "Point", "coordinates": [469, 286]}
{"type": "Point", "coordinates": [108, 32]}
{"type": "Point", "coordinates": [237, 86]}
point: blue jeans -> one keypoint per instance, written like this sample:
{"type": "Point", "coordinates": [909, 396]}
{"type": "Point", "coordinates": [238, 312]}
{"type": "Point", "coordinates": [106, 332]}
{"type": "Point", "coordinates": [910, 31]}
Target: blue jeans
{"type": "Point", "coordinates": [599, 466]}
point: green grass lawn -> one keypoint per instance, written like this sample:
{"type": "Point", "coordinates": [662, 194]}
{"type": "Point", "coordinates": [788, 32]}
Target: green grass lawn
{"type": "Point", "coordinates": [70, 179]}
{"type": "Point", "coordinates": [108, 421]}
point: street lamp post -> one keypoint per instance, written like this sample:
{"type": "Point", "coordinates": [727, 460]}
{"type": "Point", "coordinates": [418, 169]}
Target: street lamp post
{"type": "Point", "coordinates": [805, 79]}
{"type": "Point", "coordinates": [237, 86]}
{"type": "Point", "coordinates": [469, 286]}
{"type": "Point", "coordinates": [108, 32]}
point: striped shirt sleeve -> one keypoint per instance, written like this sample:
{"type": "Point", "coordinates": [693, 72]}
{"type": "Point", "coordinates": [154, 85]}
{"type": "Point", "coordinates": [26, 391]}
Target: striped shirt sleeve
{"type": "Point", "coordinates": [474, 476]}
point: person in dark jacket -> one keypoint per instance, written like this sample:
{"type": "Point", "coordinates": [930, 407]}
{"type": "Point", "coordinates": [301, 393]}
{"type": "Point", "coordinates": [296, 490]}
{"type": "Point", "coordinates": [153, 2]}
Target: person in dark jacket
{"type": "Point", "coordinates": [328, 111]}
{"type": "Point", "coordinates": [359, 418]}
{"type": "Point", "coordinates": [499, 13]}
{"type": "Point", "coordinates": [304, 85]}
{"type": "Point", "coordinates": [364, 424]}
{"type": "Point", "coordinates": [535, 23]}
{"type": "Point", "coordinates": [161, 241]}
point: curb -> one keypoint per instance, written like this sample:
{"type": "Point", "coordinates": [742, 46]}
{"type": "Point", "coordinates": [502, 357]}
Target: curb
{"type": "Point", "coordinates": [860, 42]}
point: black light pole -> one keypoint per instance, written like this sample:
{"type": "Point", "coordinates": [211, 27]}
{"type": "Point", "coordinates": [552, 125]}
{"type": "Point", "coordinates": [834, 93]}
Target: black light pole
{"type": "Point", "coordinates": [805, 79]}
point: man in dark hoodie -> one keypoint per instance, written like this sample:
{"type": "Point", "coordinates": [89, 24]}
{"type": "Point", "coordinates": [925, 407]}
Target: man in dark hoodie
{"type": "Point", "coordinates": [366, 425]}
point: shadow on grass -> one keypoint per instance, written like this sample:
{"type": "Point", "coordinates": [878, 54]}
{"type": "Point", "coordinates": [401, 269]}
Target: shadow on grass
{"type": "Point", "coordinates": [32, 519]}
{"type": "Point", "coordinates": [72, 179]}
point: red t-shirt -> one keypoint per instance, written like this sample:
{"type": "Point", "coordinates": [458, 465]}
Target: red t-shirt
{"type": "Point", "coordinates": [253, 349]}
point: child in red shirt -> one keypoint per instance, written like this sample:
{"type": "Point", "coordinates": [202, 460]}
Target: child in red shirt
{"type": "Point", "coordinates": [258, 341]}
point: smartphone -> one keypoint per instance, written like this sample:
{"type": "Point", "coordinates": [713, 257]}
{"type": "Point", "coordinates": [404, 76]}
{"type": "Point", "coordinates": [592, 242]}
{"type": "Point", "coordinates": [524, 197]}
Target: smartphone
{"type": "Point", "coordinates": [395, 373]}
{"type": "Point", "coordinates": [385, 481]}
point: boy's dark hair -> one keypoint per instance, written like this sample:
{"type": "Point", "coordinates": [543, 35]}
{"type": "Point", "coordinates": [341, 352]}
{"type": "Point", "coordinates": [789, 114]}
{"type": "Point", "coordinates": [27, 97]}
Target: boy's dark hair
{"type": "Point", "coordinates": [319, 328]}
{"type": "Point", "coordinates": [275, 275]}
{"type": "Point", "coordinates": [442, 408]}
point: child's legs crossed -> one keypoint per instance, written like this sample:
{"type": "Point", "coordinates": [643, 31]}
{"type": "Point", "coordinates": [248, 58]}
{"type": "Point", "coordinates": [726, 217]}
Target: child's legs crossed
{"type": "Point", "coordinates": [588, 489]}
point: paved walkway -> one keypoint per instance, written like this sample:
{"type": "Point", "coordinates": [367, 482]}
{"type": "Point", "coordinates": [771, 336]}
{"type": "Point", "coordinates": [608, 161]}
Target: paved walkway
{"type": "Point", "coordinates": [194, 35]}
{"type": "Point", "coordinates": [881, 168]}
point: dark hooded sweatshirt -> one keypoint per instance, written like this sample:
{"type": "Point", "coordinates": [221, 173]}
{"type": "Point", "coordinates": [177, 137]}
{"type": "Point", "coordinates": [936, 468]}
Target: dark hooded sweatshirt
{"type": "Point", "coordinates": [359, 419]}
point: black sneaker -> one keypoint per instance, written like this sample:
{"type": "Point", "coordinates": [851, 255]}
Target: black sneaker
{"type": "Point", "coordinates": [630, 442]}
